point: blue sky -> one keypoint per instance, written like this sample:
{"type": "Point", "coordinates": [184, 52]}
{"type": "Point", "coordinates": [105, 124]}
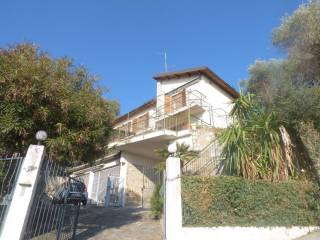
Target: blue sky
{"type": "Point", "coordinates": [120, 40]}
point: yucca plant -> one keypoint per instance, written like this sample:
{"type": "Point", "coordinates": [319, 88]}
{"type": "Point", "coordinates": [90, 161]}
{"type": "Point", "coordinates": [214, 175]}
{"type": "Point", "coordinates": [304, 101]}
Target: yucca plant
{"type": "Point", "coordinates": [253, 146]}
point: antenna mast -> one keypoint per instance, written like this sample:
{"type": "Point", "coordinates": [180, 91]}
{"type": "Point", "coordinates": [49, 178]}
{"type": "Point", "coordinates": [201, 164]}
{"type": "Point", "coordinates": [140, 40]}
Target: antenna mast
{"type": "Point", "coordinates": [165, 62]}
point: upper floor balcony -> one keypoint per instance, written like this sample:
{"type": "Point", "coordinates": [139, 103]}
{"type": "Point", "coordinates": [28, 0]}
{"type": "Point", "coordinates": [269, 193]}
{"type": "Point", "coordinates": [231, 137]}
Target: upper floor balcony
{"type": "Point", "coordinates": [173, 113]}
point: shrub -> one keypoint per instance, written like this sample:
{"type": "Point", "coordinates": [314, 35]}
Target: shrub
{"type": "Point", "coordinates": [234, 201]}
{"type": "Point", "coordinates": [156, 202]}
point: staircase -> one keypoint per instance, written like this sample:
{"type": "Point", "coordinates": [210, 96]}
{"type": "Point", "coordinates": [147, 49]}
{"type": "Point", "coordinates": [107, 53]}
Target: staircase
{"type": "Point", "coordinates": [132, 199]}
{"type": "Point", "coordinates": [208, 163]}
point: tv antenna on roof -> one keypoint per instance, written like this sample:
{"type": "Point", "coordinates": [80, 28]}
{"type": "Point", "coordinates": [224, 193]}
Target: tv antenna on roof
{"type": "Point", "coordinates": [164, 54]}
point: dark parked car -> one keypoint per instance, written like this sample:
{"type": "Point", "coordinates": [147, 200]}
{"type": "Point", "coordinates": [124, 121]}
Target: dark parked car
{"type": "Point", "coordinates": [72, 192]}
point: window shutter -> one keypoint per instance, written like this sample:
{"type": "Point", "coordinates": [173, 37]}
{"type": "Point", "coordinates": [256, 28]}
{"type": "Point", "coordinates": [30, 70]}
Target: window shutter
{"type": "Point", "coordinates": [183, 98]}
{"type": "Point", "coordinates": [135, 125]}
{"type": "Point", "coordinates": [167, 104]}
{"type": "Point", "coordinates": [146, 120]}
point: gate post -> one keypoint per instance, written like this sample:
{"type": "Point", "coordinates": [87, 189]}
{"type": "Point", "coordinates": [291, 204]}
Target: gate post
{"type": "Point", "coordinates": [23, 194]}
{"type": "Point", "coordinates": [90, 186]}
{"type": "Point", "coordinates": [173, 205]}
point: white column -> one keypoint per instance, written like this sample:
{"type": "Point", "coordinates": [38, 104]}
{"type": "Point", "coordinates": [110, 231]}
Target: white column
{"type": "Point", "coordinates": [90, 186]}
{"type": "Point", "coordinates": [23, 194]}
{"type": "Point", "coordinates": [123, 178]}
{"type": "Point", "coordinates": [173, 205]}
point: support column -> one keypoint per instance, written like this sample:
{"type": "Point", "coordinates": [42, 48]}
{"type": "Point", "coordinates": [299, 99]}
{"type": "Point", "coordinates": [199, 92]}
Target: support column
{"type": "Point", "coordinates": [123, 179]}
{"type": "Point", "coordinates": [90, 186]}
{"type": "Point", "coordinates": [17, 218]}
{"type": "Point", "coordinates": [173, 205]}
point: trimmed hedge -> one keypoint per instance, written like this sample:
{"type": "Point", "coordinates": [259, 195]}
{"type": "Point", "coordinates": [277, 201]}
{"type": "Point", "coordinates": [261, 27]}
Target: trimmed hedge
{"type": "Point", "coordinates": [233, 201]}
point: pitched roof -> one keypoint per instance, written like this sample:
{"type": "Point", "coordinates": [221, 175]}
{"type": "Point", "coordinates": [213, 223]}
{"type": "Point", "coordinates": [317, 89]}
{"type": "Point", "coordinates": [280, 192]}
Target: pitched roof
{"type": "Point", "coordinates": [197, 71]}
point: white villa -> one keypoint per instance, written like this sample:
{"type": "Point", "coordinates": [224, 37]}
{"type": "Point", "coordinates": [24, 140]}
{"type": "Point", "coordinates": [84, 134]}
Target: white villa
{"type": "Point", "coordinates": [190, 106]}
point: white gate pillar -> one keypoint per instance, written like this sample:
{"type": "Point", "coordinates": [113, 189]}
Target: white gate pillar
{"type": "Point", "coordinates": [23, 194]}
{"type": "Point", "coordinates": [90, 186]}
{"type": "Point", "coordinates": [173, 205]}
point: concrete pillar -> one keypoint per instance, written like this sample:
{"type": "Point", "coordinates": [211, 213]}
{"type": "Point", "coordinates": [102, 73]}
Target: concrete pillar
{"type": "Point", "coordinates": [16, 220]}
{"type": "Point", "coordinates": [123, 179]}
{"type": "Point", "coordinates": [173, 205]}
{"type": "Point", "coordinates": [90, 186]}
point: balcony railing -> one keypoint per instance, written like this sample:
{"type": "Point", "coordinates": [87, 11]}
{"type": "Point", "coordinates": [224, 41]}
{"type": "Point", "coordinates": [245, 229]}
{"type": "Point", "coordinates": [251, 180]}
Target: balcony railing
{"type": "Point", "coordinates": [174, 115]}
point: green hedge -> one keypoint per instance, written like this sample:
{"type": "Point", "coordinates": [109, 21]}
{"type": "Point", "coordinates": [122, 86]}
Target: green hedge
{"type": "Point", "coordinates": [233, 201]}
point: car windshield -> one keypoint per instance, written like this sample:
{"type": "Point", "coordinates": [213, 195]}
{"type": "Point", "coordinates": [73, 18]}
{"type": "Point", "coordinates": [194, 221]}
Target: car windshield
{"type": "Point", "coordinates": [76, 187]}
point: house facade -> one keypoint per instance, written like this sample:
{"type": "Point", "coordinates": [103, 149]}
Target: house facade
{"type": "Point", "coordinates": [190, 106]}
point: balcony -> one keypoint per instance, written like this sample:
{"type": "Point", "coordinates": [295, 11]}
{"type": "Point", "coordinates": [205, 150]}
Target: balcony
{"type": "Point", "coordinates": [179, 112]}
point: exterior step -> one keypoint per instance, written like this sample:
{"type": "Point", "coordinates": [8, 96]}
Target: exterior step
{"type": "Point", "coordinates": [132, 199]}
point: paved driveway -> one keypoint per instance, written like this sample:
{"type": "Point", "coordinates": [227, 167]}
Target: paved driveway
{"type": "Point", "coordinates": [311, 236]}
{"type": "Point", "coordinates": [99, 223]}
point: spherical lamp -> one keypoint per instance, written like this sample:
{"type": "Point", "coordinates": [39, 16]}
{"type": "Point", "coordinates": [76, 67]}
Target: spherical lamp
{"type": "Point", "coordinates": [41, 135]}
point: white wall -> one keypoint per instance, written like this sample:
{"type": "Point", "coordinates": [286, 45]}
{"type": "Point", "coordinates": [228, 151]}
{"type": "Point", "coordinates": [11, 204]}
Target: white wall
{"type": "Point", "coordinates": [245, 233]}
{"type": "Point", "coordinates": [165, 86]}
{"type": "Point", "coordinates": [218, 99]}
{"type": "Point", "coordinates": [137, 159]}
{"type": "Point", "coordinates": [215, 96]}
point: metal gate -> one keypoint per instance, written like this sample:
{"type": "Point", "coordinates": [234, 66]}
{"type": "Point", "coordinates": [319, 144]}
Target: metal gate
{"type": "Point", "coordinates": [114, 193]}
{"type": "Point", "coordinates": [9, 171]}
{"type": "Point", "coordinates": [151, 176]}
{"type": "Point", "coordinates": [100, 181]}
{"type": "Point", "coordinates": [48, 220]}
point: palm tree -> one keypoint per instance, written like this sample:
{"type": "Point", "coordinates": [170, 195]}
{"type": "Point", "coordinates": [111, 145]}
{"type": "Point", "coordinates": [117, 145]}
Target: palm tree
{"type": "Point", "coordinates": [256, 145]}
{"type": "Point", "coordinates": [183, 152]}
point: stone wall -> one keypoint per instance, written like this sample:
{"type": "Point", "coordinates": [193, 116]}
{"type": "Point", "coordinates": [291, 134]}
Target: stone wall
{"type": "Point", "coordinates": [202, 136]}
{"type": "Point", "coordinates": [142, 176]}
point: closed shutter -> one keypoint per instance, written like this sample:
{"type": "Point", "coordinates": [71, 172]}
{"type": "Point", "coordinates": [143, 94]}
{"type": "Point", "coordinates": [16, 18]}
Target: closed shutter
{"type": "Point", "coordinates": [179, 100]}
{"type": "Point", "coordinates": [145, 119]}
{"type": "Point", "coordinates": [183, 97]}
{"type": "Point", "coordinates": [135, 125]}
{"type": "Point", "coordinates": [167, 104]}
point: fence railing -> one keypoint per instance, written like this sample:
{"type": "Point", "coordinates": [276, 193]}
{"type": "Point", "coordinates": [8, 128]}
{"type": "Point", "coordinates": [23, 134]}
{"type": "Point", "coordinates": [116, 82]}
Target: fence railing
{"type": "Point", "coordinates": [207, 163]}
{"type": "Point", "coordinates": [9, 170]}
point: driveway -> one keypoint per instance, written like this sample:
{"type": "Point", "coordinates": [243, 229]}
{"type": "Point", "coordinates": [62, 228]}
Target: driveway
{"type": "Point", "coordinates": [311, 236]}
{"type": "Point", "coordinates": [117, 224]}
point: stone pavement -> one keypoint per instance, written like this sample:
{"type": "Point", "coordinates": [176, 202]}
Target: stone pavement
{"type": "Point", "coordinates": [311, 236]}
{"type": "Point", "coordinates": [97, 223]}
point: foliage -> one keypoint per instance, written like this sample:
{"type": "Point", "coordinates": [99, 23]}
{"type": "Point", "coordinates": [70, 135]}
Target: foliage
{"type": "Point", "coordinates": [299, 35]}
{"type": "Point", "coordinates": [274, 82]}
{"type": "Point", "coordinates": [183, 152]}
{"type": "Point", "coordinates": [310, 138]}
{"type": "Point", "coordinates": [291, 86]}
{"type": "Point", "coordinates": [156, 202]}
{"type": "Point", "coordinates": [39, 92]}
{"type": "Point", "coordinates": [252, 144]}
{"type": "Point", "coordinates": [233, 201]}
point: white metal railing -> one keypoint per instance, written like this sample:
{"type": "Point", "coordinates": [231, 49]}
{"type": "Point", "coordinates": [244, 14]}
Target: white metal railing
{"type": "Point", "coordinates": [173, 120]}
{"type": "Point", "coordinates": [207, 163]}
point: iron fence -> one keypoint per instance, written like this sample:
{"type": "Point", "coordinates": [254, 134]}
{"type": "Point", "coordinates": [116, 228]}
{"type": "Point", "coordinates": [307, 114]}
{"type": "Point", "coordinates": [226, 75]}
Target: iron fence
{"type": "Point", "coordinates": [9, 171]}
{"type": "Point", "coordinates": [50, 218]}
